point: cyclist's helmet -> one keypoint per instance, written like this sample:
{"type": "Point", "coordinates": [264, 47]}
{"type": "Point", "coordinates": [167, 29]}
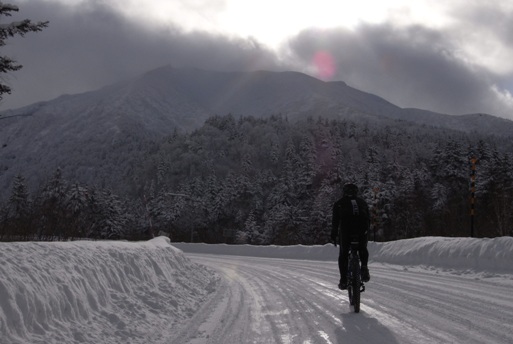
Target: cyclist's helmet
{"type": "Point", "coordinates": [350, 190]}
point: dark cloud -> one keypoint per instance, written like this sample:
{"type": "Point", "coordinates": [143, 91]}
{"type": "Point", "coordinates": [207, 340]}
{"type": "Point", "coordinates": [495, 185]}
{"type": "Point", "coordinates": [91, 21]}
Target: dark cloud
{"type": "Point", "coordinates": [91, 45]}
{"type": "Point", "coordinates": [411, 67]}
{"type": "Point", "coordinates": [88, 46]}
{"type": "Point", "coordinates": [487, 18]}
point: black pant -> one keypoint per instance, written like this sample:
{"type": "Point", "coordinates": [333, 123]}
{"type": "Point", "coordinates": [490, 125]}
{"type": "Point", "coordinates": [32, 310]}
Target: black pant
{"type": "Point", "coordinates": [343, 256]}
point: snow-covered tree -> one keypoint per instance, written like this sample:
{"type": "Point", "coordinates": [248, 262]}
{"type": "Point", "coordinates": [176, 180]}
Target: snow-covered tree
{"type": "Point", "coordinates": [110, 221]}
{"type": "Point", "coordinates": [500, 193]}
{"type": "Point", "coordinates": [19, 209]}
{"type": "Point", "coordinates": [19, 200]}
{"type": "Point", "coordinates": [53, 203]}
{"type": "Point", "coordinates": [271, 181]}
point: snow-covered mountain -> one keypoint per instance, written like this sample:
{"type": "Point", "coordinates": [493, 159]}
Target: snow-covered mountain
{"type": "Point", "coordinates": [168, 98]}
{"type": "Point", "coordinates": [86, 134]}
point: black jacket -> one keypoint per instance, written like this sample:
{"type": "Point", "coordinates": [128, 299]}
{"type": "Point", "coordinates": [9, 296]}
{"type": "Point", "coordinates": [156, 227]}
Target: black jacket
{"type": "Point", "coordinates": [350, 217]}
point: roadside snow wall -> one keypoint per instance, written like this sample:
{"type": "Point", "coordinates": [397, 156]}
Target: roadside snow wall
{"type": "Point", "coordinates": [493, 255]}
{"type": "Point", "coordinates": [97, 292]}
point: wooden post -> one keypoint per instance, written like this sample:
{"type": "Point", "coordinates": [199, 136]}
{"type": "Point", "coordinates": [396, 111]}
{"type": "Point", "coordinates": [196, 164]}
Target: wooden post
{"type": "Point", "coordinates": [473, 161]}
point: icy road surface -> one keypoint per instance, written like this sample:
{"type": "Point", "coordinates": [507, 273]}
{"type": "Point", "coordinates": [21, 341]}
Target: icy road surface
{"type": "Point", "coordinates": [267, 300]}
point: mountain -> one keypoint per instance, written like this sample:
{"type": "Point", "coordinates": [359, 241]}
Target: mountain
{"type": "Point", "coordinates": [168, 98]}
{"type": "Point", "coordinates": [90, 135]}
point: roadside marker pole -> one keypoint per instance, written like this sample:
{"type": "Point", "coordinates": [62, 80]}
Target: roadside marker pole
{"type": "Point", "coordinates": [473, 161]}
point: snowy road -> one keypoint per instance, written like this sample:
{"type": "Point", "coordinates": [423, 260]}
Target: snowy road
{"type": "Point", "coordinates": [265, 300]}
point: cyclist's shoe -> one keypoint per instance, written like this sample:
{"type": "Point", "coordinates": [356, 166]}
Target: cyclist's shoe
{"type": "Point", "coordinates": [365, 274]}
{"type": "Point", "coordinates": [342, 285]}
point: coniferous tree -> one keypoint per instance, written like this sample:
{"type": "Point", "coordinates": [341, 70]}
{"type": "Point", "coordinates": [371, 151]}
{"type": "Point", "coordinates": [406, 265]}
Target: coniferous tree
{"type": "Point", "coordinates": [77, 205]}
{"type": "Point", "coordinates": [19, 199]}
{"type": "Point", "coordinates": [111, 220]}
{"type": "Point", "coordinates": [269, 181]}
{"type": "Point", "coordinates": [19, 210]}
{"type": "Point", "coordinates": [20, 28]}
{"type": "Point", "coordinates": [4, 222]}
{"type": "Point", "coordinates": [501, 191]}
{"type": "Point", "coordinates": [55, 216]}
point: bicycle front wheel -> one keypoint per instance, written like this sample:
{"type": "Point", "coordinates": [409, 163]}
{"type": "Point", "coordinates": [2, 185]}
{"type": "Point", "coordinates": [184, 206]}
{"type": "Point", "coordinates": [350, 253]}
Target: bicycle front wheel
{"type": "Point", "coordinates": [355, 286]}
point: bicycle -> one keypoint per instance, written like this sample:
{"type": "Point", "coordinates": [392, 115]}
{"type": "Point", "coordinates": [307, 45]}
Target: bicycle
{"type": "Point", "coordinates": [355, 285]}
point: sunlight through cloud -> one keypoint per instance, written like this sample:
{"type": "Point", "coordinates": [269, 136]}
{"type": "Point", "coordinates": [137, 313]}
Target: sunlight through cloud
{"type": "Point", "coordinates": [325, 65]}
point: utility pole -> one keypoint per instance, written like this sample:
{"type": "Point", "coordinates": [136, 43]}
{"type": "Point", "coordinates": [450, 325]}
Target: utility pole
{"type": "Point", "coordinates": [473, 161]}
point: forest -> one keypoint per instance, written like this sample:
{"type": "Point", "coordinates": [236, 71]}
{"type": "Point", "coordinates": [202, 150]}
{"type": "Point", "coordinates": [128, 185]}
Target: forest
{"type": "Point", "coordinates": [262, 181]}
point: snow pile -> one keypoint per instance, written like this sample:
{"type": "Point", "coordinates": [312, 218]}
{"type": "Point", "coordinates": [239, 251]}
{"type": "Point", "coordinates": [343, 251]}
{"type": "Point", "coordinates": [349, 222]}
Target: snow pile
{"type": "Point", "coordinates": [103, 292]}
{"type": "Point", "coordinates": [119, 292]}
{"type": "Point", "coordinates": [494, 255]}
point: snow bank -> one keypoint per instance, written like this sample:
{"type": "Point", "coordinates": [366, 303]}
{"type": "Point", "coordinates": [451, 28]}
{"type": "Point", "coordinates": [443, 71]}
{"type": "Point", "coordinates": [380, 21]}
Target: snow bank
{"type": "Point", "coordinates": [494, 255]}
{"type": "Point", "coordinates": [119, 292]}
{"type": "Point", "coordinates": [103, 292]}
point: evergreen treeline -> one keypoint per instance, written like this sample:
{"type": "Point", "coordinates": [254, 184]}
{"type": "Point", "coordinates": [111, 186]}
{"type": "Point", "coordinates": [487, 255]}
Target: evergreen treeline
{"type": "Point", "coordinates": [65, 211]}
{"type": "Point", "coordinates": [268, 181]}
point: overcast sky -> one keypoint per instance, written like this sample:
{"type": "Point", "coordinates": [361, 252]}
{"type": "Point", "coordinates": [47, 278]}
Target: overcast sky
{"type": "Point", "coordinates": [447, 56]}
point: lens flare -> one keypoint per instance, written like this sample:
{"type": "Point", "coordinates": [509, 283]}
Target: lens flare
{"type": "Point", "coordinates": [324, 64]}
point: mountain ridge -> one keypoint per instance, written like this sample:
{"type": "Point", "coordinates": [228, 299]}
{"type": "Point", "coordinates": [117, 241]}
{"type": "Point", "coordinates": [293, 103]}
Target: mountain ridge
{"type": "Point", "coordinates": [87, 132]}
{"type": "Point", "coordinates": [185, 97]}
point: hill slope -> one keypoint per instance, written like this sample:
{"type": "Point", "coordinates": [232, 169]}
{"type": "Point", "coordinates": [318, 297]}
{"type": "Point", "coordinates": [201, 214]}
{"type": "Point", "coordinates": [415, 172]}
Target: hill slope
{"type": "Point", "coordinates": [87, 134]}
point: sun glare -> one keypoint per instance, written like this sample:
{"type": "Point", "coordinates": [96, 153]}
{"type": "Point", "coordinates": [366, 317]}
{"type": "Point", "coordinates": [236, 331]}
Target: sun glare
{"type": "Point", "coordinates": [324, 64]}
{"type": "Point", "coordinates": [269, 21]}
{"type": "Point", "coordinates": [273, 21]}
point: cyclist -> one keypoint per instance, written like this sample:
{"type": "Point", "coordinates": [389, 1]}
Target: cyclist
{"type": "Point", "coordinates": [350, 219]}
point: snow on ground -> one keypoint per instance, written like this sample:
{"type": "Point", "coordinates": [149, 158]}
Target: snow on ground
{"type": "Point", "coordinates": [119, 292]}
{"type": "Point", "coordinates": [462, 254]}
{"type": "Point", "coordinates": [97, 292]}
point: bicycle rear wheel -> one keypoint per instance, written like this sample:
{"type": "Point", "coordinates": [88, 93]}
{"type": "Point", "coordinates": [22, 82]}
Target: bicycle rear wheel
{"type": "Point", "coordinates": [350, 293]}
{"type": "Point", "coordinates": [355, 286]}
{"type": "Point", "coordinates": [356, 295]}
